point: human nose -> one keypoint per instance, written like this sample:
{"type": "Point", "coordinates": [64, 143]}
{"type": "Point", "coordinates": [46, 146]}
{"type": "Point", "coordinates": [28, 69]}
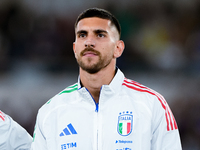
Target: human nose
{"type": "Point", "coordinates": [89, 42]}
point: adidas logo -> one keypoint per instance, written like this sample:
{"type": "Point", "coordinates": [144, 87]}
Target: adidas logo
{"type": "Point", "coordinates": [68, 130]}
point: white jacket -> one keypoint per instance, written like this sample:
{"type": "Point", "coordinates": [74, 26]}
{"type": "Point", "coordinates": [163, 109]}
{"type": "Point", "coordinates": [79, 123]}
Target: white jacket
{"type": "Point", "coordinates": [129, 116]}
{"type": "Point", "coordinates": [12, 135]}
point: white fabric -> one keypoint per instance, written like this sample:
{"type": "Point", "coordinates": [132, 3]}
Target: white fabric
{"type": "Point", "coordinates": [12, 135]}
{"type": "Point", "coordinates": [149, 121]}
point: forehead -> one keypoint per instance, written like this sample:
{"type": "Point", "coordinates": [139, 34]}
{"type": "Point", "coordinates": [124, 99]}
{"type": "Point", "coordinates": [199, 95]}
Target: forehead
{"type": "Point", "coordinates": [94, 23]}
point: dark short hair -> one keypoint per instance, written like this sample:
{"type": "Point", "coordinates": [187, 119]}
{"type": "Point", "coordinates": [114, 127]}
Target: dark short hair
{"type": "Point", "coordinates": [100, 13]}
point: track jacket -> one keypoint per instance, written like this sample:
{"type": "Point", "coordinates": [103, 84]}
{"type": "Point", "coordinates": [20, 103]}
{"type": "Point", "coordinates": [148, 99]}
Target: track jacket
{"type": "Point", "coordinates": [12, 135]}
{"type": "Point", "coordinates": [129, 116]}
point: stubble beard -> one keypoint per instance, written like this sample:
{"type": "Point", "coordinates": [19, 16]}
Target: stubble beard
{"type": "Point", "coordinates": [90, 67]}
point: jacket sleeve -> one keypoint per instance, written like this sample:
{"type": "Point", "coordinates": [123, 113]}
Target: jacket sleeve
{"type": "Point", "coordinates": [12, 135]}
{"type": "Point", "coordinates": [164, 128]}
{"type": "Point", "coordinates": [39, 140]}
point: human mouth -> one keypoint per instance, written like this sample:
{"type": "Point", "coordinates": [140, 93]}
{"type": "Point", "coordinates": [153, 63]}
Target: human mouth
{"type": "Point", "coordinates": [89, 54]}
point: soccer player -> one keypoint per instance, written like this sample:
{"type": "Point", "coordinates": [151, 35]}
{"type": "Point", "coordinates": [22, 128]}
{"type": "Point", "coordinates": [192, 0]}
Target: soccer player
{"type": "Point", "coordinates": [104, 110]}
{"type": "Point", "coordinates": [12, 135]}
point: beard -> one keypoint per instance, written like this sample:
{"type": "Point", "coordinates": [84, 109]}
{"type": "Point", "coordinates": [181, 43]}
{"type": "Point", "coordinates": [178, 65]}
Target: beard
{"type": "Point", "coordinates": [90, 67]}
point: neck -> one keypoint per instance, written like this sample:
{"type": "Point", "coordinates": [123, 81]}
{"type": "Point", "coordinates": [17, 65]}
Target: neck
{"type": "Point", "coordinates": [94, 82]}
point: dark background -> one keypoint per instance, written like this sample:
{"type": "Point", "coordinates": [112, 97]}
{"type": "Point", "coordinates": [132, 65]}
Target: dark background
{"type": "Point", "coordinates": [162, 52]}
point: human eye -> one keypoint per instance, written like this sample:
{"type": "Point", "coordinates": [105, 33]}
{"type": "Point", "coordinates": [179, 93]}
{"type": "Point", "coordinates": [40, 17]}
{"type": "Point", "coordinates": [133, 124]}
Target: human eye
{"type": "Point", "coordinates": [82, 35]}
{"type": "Point", "coordinates": [100, 35]}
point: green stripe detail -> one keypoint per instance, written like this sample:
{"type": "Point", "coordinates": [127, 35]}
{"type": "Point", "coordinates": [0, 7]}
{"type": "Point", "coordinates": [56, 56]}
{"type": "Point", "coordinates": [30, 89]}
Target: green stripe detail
{"type": "Point", "coordinates": [34, 134]}
{"type": "Point", "coordinates": [33, 137]}
{"type": "Point", "coordinates": [73, 86]}
{"type": "Point", "coordinates": [49, 101]}
{"type": "Point", "coordinates": [120, 127]}
{"type": "Point", "coordinates": [70, 89]}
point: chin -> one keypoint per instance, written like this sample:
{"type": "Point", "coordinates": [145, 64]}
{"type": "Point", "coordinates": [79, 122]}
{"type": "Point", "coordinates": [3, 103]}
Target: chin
{"type": "Point", "coordinates": [91, 70]}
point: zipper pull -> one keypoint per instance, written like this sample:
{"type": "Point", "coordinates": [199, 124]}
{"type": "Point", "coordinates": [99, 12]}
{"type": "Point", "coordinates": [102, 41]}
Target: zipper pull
{"type": "Point", "coordinates": [97, 107]}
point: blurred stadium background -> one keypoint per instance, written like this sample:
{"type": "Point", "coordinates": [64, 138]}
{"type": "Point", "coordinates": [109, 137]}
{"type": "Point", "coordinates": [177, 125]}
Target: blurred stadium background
{"type": "Point", "coordinates": [162, 52]}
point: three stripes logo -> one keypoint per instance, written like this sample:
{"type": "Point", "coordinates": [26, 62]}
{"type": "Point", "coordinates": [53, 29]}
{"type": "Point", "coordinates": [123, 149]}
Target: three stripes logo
{"type": "Point", "coordinates": [68, 130]}
{"type": "Point", "coordinates": [171, 122]}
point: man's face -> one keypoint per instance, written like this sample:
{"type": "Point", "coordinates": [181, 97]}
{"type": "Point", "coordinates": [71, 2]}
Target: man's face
{"type": "Point", "coordinates": [95, 44]}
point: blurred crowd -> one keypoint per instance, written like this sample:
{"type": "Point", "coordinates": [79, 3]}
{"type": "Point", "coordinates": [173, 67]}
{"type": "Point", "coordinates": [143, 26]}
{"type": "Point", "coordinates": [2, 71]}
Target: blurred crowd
{"type": "Point", "coordinates": [161, 37]}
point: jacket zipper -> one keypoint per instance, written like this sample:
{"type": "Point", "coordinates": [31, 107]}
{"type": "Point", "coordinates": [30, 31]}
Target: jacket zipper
{"type": "Point", "coordinates": [95, 124]}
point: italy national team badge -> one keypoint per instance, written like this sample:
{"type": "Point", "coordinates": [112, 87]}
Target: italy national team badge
{"type": "Point", "coordinates": [125, 123]}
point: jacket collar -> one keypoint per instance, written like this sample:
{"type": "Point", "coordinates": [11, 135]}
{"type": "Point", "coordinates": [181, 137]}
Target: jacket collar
{"type": "Point", "coordinates": [114, 86]}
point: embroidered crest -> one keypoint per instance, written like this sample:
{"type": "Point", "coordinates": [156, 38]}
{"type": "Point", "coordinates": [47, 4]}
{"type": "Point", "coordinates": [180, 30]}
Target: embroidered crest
{"type": "Point", "coordinates": [125, 123]}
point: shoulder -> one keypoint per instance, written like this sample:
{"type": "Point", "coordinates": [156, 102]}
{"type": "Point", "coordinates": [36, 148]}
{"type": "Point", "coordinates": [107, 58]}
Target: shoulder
{"type": "Point", "coordinates": [145, 93]}
{"type": "Point", "coordinates": [152, 99]}
{"type": "Point", "coordinates": [70, 89]}
{"type": "Point", "coordinates": [7, 123]}
{"type": "Point", "coordinates": [2, 116]}
{"type": "Point", "coordinates": [59, 100]}
{"type": "Point", "coordinates": [4, 122]}
{"type": "Point", "coordinates": [12, 134]}
{"type": "Point", "coordinates": [137, 87]}
{"type": "Point", "coordinates": [67, 92]}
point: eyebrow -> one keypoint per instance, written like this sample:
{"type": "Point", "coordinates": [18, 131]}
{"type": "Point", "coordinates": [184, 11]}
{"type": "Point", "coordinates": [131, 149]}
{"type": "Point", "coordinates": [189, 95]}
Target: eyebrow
{"type": "Point", "coordinates": [81, 31]}
{"type": "Point", "coordinates": [100, 31]}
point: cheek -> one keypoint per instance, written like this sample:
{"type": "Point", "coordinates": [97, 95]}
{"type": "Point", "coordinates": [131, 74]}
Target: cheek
{"type": "Point", "coordinates": [107, 51]}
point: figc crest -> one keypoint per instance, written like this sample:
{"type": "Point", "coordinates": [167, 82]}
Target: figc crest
{"type": "Point", "coordinates": [125, 123]}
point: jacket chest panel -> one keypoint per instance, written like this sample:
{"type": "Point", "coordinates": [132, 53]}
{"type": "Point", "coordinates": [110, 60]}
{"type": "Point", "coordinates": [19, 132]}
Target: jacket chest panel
{"type": "Point", "coordinates": [112, 127]}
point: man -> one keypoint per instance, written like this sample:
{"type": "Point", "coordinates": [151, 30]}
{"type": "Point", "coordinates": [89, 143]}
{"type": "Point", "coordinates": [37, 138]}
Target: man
{"type": "Point", "coordinates": [12, 135]}
{"type": "Point", "coordinates": [104, 110]}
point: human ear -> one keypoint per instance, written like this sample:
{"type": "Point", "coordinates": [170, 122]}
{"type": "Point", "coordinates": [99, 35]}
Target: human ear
{"type": "Point", "coordinates": [119, 49]}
